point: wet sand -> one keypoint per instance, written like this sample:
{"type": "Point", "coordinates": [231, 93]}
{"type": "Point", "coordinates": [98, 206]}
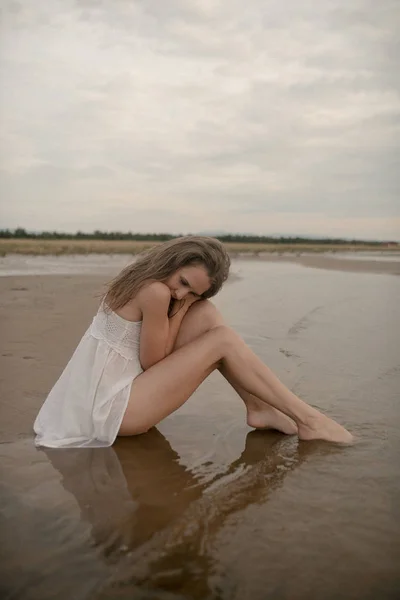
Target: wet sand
{"type": "Point", "coordinates": [202, 506]}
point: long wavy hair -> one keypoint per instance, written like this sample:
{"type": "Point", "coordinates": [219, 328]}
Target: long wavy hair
{"type": "Point", "coordinates": [161, 261]}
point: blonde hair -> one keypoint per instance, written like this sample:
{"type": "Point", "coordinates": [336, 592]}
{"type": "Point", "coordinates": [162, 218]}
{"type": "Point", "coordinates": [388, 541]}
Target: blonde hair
{"type": "Point", "coordinates": [161, 261]}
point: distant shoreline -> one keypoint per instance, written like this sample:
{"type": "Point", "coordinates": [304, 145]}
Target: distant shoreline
{"type": "Point", "coordinates": [235, 249]}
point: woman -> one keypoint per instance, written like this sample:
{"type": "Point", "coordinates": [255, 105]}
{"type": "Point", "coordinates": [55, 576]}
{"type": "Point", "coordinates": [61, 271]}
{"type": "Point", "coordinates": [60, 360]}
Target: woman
{"type": "Point", "coordinates": [155, 338]}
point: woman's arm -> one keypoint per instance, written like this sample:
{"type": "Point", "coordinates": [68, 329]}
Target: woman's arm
{"type": "Point", "coordinates": [178, 311]}
{"type": "Point", "coordinates": [154, 301]}
{"type": "Point", "coordinates": [159, 332]}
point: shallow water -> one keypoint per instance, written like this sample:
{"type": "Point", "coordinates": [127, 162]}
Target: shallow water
{"type": "Point", "coordinates": [204, 507]}
{"type": "Point", "coordinates": [64, 264]}
{"type": "Point", "coordinates": [92, 264]}
{"type": "Point", "coordinates": [377, 255]}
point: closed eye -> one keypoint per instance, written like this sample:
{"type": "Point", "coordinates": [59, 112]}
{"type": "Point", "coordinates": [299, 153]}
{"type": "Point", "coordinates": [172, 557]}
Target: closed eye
{"type": "Point", "coordinates": [186, 284]}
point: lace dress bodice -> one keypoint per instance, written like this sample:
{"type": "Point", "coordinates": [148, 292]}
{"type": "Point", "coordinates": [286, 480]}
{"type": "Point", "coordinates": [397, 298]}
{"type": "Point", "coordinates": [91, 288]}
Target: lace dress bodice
{"type": "Point", "coordinates": [122, 335]}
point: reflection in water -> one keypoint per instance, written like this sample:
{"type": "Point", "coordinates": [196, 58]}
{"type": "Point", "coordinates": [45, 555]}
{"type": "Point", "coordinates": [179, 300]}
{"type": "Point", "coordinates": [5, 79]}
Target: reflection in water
{"type": "Point", "coordinates": [157, 520]}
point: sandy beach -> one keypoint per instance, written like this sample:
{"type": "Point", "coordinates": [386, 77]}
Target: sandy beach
{"type": "Point", "coordinates": [204, 507]}
{"type": "Point", "coordinates": [44, 317]}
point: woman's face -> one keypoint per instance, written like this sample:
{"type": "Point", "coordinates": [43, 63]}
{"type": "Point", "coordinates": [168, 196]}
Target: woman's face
{"type": "Point", "coordinates": [192, 279]}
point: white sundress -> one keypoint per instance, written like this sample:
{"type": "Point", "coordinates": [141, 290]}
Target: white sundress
{"type": "Point", "coordinates": [86, 405]}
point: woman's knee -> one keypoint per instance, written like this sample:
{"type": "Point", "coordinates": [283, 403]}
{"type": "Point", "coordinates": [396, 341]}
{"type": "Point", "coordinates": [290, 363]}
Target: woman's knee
{"type": "Point", "coordinates": [201, 317]}
{"type": "Point", "coordinates": [224, 337]}
{"type": "Point", "coordinates": [207, 311]}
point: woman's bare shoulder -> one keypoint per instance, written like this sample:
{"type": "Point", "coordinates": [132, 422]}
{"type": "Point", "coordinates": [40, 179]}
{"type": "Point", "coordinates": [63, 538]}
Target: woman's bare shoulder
{"type": "Point", "coordinates": [154, 293]}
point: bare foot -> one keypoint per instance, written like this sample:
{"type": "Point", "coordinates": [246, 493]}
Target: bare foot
{"type": "Point", "coordinates": [270, 418]}
{"type": "Point", "coordinates": [321, 427]}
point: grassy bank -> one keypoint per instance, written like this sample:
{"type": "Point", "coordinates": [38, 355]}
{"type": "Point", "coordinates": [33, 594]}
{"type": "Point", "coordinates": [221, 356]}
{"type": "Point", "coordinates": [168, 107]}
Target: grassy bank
{"type": "Point", "coordinates": [57, 247]}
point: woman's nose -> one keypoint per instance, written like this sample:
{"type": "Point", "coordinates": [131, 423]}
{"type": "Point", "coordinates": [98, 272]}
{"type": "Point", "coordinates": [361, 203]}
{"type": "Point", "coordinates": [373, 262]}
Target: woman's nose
{"type": "Point", "coordinates": [180, 294]}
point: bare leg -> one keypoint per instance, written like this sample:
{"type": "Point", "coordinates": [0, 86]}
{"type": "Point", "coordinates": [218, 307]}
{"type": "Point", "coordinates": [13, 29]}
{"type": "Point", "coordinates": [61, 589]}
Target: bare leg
{"type": "Point", "coordinates": [164, 387]}
{"type": "Point", "coordinates": [203, 316]}
{"type": "Point", "coordinates": [261, 415]}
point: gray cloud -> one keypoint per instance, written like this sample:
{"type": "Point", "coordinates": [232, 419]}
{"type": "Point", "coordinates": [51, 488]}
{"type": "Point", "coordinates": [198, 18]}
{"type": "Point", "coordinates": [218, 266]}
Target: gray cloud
{"type": "Point", "coordinates": [188, 115]}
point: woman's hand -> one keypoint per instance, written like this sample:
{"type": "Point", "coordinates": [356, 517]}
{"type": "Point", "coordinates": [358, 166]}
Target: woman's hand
{"type": "Point", "coordinates": [175, 307]}
{"type": "Point", "coordinates": [191, 299]}
{"type": "Point", "coordinates": [181, 306]}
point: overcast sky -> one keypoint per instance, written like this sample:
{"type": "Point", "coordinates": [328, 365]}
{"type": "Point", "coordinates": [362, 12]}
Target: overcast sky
{"type": "Point", "coordinates": [256, 116]}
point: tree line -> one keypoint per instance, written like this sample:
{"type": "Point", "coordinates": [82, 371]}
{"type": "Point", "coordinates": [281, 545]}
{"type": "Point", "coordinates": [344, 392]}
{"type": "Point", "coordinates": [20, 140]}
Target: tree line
{"type": "Point", "coordinates": [21, 233]}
